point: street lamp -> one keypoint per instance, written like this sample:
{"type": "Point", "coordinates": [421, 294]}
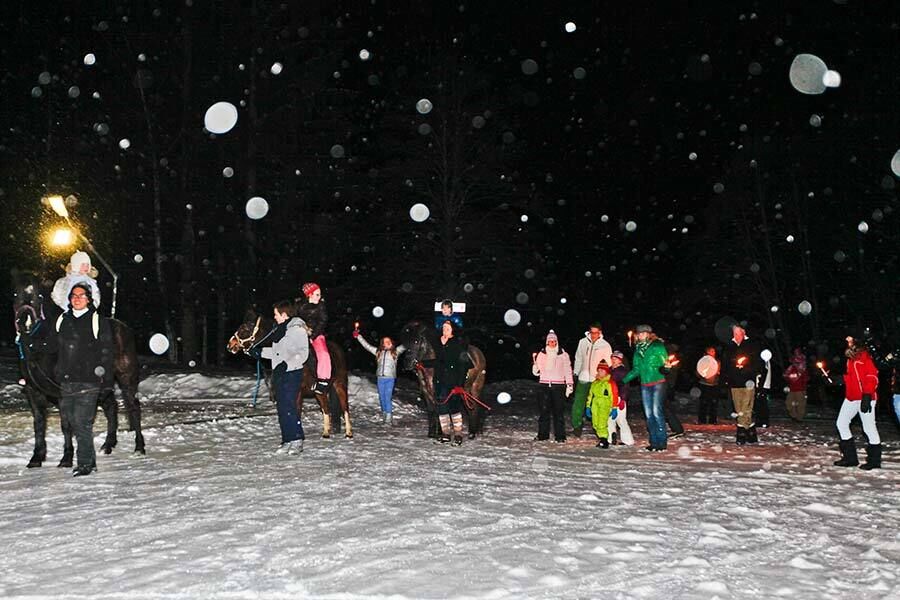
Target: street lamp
{"type": "Point", "coordinates": [59, 238]}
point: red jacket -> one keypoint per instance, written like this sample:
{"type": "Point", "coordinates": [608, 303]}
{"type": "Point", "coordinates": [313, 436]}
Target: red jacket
{"type": "Point", "coordinates": [861, 377]}
{"type": "Point", "coordinates": [797, 379]}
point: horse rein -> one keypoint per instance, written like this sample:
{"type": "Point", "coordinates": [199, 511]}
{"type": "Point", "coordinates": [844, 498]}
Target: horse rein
{"type": "Point", "coordinates": [248, 342]}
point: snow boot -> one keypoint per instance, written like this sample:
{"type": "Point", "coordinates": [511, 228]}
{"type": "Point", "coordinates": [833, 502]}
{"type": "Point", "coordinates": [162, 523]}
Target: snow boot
{"type": "Point", "coordinates": [295, 447]}
{"type": "Point", "coordinates": [751, 435]}
{"type": "Point", "coordinates": [603, 443]}
{"type": "Point", "coordinates": [457, 440]}
{"type": "Point", "coordinates": [848, 454]}
{"type": "Point", "coordinates": [873, 457]}
{"type": "Point", "coordinates": [741, 436]}
{"type": "Point", "coordinates": [614, 439]}
{"type": "Point", "coordinates": [388, 418]}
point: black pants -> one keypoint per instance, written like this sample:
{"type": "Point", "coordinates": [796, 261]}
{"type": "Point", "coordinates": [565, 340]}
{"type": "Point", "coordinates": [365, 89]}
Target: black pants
{"type": "Point", "coordinates": [552, 404]}
{"type": "Point", "coordinates": [672, 419]}
{"type": "Point", "coordinates": [708, 405]}
{"type": "Point", "coordinates": [761, 408]}
{"type": "Point", "coordinates": [78, 406]}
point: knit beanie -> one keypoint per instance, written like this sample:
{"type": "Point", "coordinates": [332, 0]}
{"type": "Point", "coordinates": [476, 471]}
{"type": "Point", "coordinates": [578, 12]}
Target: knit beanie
{"type": "Point", "coordinates": [552, 337]}
{"type": "Point", "coordinates": [309, 288]}
{"type": "Point", "coordinates": [78, 259]}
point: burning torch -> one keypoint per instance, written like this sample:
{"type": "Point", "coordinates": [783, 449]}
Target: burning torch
{"type": "Point", "coordinates": [630, 338]}
{"type": "Point", "coordinates": [672, 361]}
{"type": "Point", "coordinates": [821, 366]}
{"type": "Point", "coordinates": [741, 362]}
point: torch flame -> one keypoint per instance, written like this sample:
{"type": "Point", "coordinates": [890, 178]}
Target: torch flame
{"type": "Point", "coordinates": [672, 360]}
{"type": "Point", "coordinates": [741, 361]}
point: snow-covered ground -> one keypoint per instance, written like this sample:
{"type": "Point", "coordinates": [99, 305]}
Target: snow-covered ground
{"type": "Point", "coordinates": [211, 512]}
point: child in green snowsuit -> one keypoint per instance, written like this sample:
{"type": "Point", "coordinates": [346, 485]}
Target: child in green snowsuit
{"type": "Point", "coordinates": [602, 395]}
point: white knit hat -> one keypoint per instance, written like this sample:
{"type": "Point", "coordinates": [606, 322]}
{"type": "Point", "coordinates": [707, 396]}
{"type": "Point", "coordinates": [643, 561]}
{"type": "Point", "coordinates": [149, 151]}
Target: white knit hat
{"type": "Point", "coordinates": [78, 259]}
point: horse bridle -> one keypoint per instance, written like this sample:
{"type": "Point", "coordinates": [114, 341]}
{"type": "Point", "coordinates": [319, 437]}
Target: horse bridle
{"type": "Point", "coordinates": [248, 342]}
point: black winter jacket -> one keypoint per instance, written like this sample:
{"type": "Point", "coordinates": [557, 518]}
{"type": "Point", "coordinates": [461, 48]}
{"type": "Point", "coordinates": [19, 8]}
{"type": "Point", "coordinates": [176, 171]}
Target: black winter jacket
{"type": "Point", "coordinates": [82, 357]}
{"type": "Point", "coordinates": [451, 363]}
{"type": "Point", "coordinates": [315, 316]}
{"type": "Point", "coordinates": [731, 375]}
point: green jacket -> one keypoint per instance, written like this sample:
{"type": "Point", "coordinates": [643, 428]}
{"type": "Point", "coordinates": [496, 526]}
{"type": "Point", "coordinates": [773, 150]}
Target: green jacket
{"type": "Point", "coordinates": [648, 358]}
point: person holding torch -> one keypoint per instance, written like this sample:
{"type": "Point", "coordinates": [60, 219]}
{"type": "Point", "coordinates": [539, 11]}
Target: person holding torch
{"type": "Point", "coordinates": [740, 367]}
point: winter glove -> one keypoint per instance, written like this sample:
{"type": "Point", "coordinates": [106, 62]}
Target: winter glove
{"type": "Point", "coordinates": [665, 370]}
{"type": "Point", "coordinates": [614, 413]}
{"type": "Point", "coordinates": [569, 390]}
{"type": "Point", "coordinates": [866, 406]}
{"type": "Point", "coordinates": [255, 352]}
{"type": "Point", "coordinates": [587, 412]}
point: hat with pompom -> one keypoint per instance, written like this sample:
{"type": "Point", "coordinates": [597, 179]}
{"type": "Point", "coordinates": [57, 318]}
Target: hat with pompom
{"type": "Point", "coordinates": [551, 336]}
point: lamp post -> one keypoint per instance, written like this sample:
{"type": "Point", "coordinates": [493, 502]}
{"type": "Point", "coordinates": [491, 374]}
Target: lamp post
{"type": "Point", "coordinates": [59, 207]}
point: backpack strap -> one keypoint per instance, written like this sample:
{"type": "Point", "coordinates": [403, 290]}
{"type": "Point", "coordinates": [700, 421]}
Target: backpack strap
{"type": "Point", "coordinates": [95, 324]}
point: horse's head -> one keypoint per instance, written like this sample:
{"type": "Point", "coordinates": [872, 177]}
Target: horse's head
{"type": "Point", "coordinates": [248, 333]}
{"type": "Point", "coordinates": [419, 340]}
{"type": "Point", "coordinates": [28, 302]}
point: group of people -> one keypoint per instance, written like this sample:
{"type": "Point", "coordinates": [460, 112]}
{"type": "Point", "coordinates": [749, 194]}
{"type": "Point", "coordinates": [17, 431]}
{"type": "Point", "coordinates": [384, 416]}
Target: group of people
{"type": "Point", "coordinates": [597, 380]}
{"type": "Point", "coordinates": [598, 385]}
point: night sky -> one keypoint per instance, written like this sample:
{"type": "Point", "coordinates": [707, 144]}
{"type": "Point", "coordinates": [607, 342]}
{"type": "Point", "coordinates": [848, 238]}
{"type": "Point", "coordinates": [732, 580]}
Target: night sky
{"type": "Point", "coordinates": [654, 164]}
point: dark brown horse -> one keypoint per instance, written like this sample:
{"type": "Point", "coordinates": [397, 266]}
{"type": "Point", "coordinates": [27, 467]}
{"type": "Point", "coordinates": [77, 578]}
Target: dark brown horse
{"type": "Point", "coordinates": [35, 319]}
{"type": "Point", "coordinates": [420, 339]}
{"type": "Point", "coordinates": [335, 405]}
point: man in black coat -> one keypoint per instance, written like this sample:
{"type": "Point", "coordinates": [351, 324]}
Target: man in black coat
{"type": "Point", "coordinates": [740, 367]}
{"type": "Point", "coordinates": [84, 368]}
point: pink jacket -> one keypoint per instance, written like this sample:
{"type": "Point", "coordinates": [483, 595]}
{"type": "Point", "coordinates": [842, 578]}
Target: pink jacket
{"type": "Point", "coordinates": [560, 372]}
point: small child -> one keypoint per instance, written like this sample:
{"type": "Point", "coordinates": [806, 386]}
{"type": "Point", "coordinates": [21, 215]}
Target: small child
{"type": "Point", "coordinates": [618, 417]}
{"type": "Point", "coordinates": [79, 270]}
{"type": "Point", "coordinates": [386, 370]}
{"type": "Point", "coordinates": [447, 314]}
{"type": "Point", "coordinates": [602, 396]}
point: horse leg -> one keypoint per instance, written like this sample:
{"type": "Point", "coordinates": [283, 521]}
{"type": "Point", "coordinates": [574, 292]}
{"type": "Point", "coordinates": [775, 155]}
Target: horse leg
{"type": "Point", "coordinates": [133, 406]}
{"type": "Point", "coordinates": [39, 404]}
{"type": "Point", "coordinates": [107, 400]}
{"type": "Point", "coordinates": [322, 399]}
{"type": "Point", "coordinates": [434, 427]}
{"type": "Point", "coordinates": [340, 405]}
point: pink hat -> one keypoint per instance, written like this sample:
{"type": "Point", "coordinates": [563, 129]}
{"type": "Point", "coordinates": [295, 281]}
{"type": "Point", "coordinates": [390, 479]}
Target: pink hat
{"type": "Point", "coordinates": [552, 336]}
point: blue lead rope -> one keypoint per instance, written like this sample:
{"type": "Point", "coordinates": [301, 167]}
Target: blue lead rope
{"type": "Point", "coordinates": [258, 379]}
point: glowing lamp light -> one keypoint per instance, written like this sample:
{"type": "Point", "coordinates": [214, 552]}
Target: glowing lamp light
{"type": "Point", "coordinates": [62, 237]}
{"type": "Point", "coordinates": [58, 205]}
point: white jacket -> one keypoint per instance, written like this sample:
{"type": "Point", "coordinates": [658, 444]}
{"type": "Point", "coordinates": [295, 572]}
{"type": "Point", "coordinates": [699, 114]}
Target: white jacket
{"type": "Point", "coordinates": [588, 355]}
{"type": "Point", "coordinates": [292, 349]}
{"type": "Point", "coordinates": [60, 293]}
{"type": "Point", "coordinates": [387, 363]}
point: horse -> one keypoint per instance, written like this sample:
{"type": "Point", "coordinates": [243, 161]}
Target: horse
{"type": "Point", "coordinates": [35, 322]}
{"type": "Point", "coordinates": [335, 405]}
{"type": "Point", "coordinates": [420, 339]}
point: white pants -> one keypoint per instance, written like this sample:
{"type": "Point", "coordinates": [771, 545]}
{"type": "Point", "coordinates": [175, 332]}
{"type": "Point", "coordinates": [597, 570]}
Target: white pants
{"type": "Point", "coordinates": [850, 409]}
{"type": "Point", "coordinates": [624, 429]}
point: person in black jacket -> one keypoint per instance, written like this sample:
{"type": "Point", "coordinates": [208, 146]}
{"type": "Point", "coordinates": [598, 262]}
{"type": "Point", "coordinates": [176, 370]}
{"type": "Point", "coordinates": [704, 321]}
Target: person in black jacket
{"type": "Point", "coordinates": [313, 313]}
{"type": "Point", "coordinates": [451, 365]}
{"type": "Point", "coordinates": [84, 368]}
{"type": "Point", "coordinates": [740, 367]}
